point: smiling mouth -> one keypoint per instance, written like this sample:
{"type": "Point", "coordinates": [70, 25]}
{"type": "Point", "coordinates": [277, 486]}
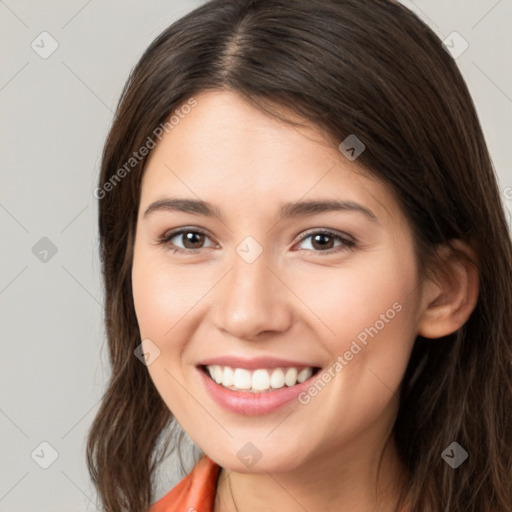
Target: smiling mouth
{"type": "Point", "coordinates": [259, 380]}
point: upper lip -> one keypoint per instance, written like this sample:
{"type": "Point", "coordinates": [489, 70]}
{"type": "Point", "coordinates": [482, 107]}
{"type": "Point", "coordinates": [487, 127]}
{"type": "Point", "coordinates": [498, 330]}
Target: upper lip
{"type": "Point", "coordinates": [254, 362]}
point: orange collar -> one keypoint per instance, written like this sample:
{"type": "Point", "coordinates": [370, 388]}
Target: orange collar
{"type": "Point", "coordinates": [195, 492]}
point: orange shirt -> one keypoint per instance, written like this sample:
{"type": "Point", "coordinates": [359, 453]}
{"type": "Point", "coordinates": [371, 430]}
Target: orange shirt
{"type": "Point", "coordinates": [195, 493]}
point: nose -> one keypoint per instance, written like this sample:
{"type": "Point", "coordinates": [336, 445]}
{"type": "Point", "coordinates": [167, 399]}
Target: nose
{"type": "Point", "coordinates": [252, 301]}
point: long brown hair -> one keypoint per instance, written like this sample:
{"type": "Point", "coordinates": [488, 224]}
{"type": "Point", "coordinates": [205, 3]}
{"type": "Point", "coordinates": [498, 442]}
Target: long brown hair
{"type": "Point", "coordinates": [370, 68]}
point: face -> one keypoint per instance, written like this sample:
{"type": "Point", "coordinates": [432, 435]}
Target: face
{"type": "Point", "coordinates": [288, 328]}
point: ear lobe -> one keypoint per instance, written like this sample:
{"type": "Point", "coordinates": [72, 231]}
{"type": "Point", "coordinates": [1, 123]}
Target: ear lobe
{"type": "Point", "coordinates": [450, 295]}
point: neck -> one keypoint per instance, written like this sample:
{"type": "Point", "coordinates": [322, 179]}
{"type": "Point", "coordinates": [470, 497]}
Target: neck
{"type": "Point", "coordinates": [334, 481]}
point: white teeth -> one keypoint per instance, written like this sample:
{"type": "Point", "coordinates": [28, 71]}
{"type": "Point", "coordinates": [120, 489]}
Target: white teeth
{"type": "Point", "coordinates": [304, 374]}
{"type": "Point", "coordinates": [258, 380]}
{"type": "Point", "coordinates": [242, 379]}
{"type": "Point", "coordinates": [277, 379]}
{"type": "Point", "coordinates": [290, 378]}
{"type": "Point", "coordinates": [217, 374]}
{"type": "Point", "coordinates": [229, 377]}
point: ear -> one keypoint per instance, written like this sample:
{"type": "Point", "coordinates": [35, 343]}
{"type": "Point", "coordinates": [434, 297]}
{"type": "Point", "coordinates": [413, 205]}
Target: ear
{"type": "Point", "coordinates": [450, 293]}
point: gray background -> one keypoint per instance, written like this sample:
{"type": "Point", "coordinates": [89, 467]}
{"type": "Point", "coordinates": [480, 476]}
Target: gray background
{"type": "Point", "coordinates": [56, 112]}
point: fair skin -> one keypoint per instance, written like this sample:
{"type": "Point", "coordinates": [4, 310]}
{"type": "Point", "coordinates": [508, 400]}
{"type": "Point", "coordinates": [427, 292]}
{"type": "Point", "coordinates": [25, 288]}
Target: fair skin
{"type": "Point", "coordinates": [297, 300]}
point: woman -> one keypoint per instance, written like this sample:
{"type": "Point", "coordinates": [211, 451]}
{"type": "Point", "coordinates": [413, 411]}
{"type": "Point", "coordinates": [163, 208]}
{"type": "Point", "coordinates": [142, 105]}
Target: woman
{"type": "Point", "coordinates": [251, 137]}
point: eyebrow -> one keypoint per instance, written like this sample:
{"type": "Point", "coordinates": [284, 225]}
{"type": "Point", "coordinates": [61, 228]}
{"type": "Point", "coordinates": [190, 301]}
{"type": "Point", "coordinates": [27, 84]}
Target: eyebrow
{"type": "Point", "coordinates": [287, 210]}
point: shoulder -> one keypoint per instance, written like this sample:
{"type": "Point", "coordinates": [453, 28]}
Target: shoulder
{"type": "Point", "coordinates": [196, 491]}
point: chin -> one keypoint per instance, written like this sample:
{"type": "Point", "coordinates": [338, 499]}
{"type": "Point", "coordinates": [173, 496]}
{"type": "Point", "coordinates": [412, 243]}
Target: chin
{"type": "Point", "coordinates": [249, 459]}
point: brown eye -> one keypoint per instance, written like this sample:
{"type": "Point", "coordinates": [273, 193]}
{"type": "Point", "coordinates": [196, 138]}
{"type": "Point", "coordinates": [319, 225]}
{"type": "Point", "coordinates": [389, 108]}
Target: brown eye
{"type": "Point", "coordinates": [322, 241]}
{"type": "Point", "coordinates": [325, 241]}
{"type": "Point", "coordinates": [192, 240]}
{"type": "Point", "coordinates": [185, 240]}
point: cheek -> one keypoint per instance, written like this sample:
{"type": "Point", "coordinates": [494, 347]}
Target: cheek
{"type": "Point", "coordinates": [162, 295]}
{"type": "Point", "coordinates": [368, 318]}
{"type": "Point", "coordinates": [370, 313]}
{"type": "Point", "coordinates": [350, 299]}
{"type": "Point", "coordinates": [150, 297]}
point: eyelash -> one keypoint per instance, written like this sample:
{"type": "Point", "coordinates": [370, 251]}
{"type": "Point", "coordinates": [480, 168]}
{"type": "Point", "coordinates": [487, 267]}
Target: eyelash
{"type": "Point", "coordinates": [347, 243]}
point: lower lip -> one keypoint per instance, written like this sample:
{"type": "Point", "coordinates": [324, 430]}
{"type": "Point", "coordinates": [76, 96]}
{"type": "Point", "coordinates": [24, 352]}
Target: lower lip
{"type": "Point", "coordinates": [252, 404]}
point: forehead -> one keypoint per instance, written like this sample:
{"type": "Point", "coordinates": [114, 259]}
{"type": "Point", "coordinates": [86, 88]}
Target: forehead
{"type": "Point", "coordinates": [226, 151]}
